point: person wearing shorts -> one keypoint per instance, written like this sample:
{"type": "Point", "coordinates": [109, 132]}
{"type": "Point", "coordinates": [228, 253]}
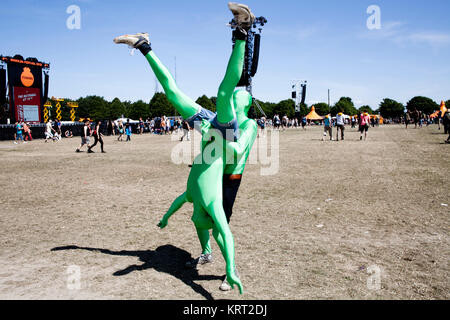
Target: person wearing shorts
{"type": "Point", "coordinates": [327, 128]}
{"type": "Point", "coordinates": [85, 136]}
{"type": "Point", "coordinates": [364, 125]}
{"type": "Point", "coordinates": [19, 132]}
{"type": "Point", "coordinates": [141, 126]}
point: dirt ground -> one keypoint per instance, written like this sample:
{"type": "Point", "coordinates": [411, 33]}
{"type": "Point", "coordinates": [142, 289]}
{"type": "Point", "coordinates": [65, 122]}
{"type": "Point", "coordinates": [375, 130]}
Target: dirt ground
{"type": "Point", "coordinates": [340, 220]}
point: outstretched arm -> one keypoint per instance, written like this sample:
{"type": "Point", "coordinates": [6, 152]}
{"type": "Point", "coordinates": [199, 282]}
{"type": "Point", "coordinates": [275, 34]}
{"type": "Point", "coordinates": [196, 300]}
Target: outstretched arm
{"type": "Point", "coordinates": [176, 205]}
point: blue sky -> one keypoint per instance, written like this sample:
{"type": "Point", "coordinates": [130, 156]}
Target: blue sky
{"type": "Point", "coordinates": [326, 42]}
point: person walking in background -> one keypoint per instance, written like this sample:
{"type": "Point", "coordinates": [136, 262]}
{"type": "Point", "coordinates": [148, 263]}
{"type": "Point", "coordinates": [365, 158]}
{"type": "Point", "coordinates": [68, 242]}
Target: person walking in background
{"type": "Point", "coordinates": [416, 117]}
{"type": "Point", "coordinates": [141, 126]}
{"type": "Point", "coordinates": [340, 125]}
{"type": "Point", "coordinates": [48, 131]}
{"type": "Point", "coordinates": [304, 122]}
{"type": "Point", "coordinates": [407, 119]}
{"type": "Point", "coordinates": [262, 126]}
{"type": "Point", "coordinates": [120, 130]}
{"type": "Point", "coordinates": [27, 131]}
{"type": "Point", "coordinates": [163, 126]}
{"type": "Point", "coordinates": [85, 136]}
{"type": "Point", "coordinates": [115, 127]}
{"type": "Point", "coordinates": [327, 128]}
{"type": "Point", "coordinates": [58, 127]}
{"type": "Point", "coordinates": [167, 120]}
{"type": "Point", "coordinates": [186, 132]}
{"type": "Point", "coordinates": [446, 123]}
{"type": "Point", "coordinates": [128, 130]}
{"type": "Point", "coordinates": [364, 125]}
{"type": "Point", "coordinates": [19, 132]}
{"type": "Point", "coordinates": [284, 122]}
{"type": "Point", "coordinates": [276, 122]}
{"type": "Point", "coordinates": [98, 137]}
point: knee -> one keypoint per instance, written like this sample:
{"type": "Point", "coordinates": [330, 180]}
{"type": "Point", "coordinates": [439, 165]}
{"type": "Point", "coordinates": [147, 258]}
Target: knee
{"type": "Point", "coordinates": [202, 222]}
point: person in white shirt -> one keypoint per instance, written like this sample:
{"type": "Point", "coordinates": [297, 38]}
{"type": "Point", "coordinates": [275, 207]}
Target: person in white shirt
{"type": "Point", "coordinates": [48, 130]}
{"type": "Point", "coordinates": [340, 125]}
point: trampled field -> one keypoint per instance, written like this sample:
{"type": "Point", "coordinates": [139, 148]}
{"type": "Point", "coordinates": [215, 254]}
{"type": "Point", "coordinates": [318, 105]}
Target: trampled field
{"type": "Point", "coordinates": [340, 220]}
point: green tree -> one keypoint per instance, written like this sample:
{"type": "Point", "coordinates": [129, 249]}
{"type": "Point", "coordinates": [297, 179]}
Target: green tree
{"type": "Point", "coordinates": [138, 109]}
{"type": "Point", "coordinates": [345, 105]}
{"type": "Point", "coordinates": [116, 109]}
{"type": "Point", "coordinates": [304, 109]}
{"type": "Point", "coordinates": [206, 103]}
{"type": "Point", "coordinates": [285, 107]}
{"type": "Point", "coordinates": [93, 107]}
{"type": "Point", "coordinates": [267, 107]}
{"type": "Point", "coordinates": [322, 108]}
{"type": "Point", "coordinates": [367, 109]}
{"type": "Point", "coordinates": [160, 106]}
{"type": "Point", "coordinates": [128, 105]}
{"type": "Point", "coordinates": [391, 109]}
{"type": "Point", "coordinates": [424, 104]}
{"type": "Point", "coordinates": [65, 110]}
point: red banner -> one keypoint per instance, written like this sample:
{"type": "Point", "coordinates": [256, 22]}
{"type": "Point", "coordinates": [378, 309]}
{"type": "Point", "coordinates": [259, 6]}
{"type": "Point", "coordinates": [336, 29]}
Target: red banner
{"type": "Point", "coordinates": [27, 103]}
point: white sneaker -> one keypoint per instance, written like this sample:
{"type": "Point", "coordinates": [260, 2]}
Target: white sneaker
{"type": "Point", "coordinates": [243, 16]}
{"type": "Point", "coordinates": [225, 286]}
{"type": "Point", "coordinates": [202, 260]}
{"type": "Point", "coordinates": [133, 40]}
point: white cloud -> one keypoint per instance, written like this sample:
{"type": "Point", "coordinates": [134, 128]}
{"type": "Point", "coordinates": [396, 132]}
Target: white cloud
{"type": "Point", "coordinates": [396, 31]}
{"type": "Point", "coordinates": [432, 38]}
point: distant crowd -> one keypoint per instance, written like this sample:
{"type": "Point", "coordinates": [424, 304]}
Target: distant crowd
{"type": "Point", "coordinates": [168, 125]}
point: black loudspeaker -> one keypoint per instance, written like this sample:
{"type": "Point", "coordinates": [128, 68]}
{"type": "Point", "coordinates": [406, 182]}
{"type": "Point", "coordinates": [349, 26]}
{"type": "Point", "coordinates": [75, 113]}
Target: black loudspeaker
{"type": "Point", "coordinates": [45, 92]}
{"type": "Point", "coordinates": [303, 93]}
{"type": "Point", "coordinates": [255, 60]}
{"type": "Point", "coordinates": [294, 95]}
{"type": "Point", "coordinates": [2, 87]}
{"type": "Point", "coordinates": [245, 79]}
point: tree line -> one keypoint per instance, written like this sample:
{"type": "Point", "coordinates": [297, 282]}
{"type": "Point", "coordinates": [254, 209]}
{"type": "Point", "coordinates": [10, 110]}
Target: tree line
{"type": "Point", "coordinates": [97, 108]}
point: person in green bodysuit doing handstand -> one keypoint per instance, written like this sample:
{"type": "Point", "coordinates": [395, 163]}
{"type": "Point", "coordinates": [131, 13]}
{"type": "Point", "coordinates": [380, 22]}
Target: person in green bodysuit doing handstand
{"type": "Point", "coordinates": [205, 180]}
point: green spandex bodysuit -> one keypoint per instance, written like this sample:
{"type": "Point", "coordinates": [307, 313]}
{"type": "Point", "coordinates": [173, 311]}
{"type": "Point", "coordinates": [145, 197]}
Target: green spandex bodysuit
{"type": "Point", "coordinates": [204, 187]}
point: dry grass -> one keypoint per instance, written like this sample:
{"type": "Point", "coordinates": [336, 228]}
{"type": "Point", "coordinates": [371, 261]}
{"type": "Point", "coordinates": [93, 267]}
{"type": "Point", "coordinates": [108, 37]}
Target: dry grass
{"type": "Point", "coordinates": [386, 210]}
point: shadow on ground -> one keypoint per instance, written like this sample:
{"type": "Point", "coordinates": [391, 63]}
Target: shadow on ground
{"type": "Point", "coordinates": [168, 259]}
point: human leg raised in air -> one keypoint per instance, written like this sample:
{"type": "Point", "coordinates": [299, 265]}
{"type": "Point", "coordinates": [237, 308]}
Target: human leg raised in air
{"type": "Point", "coordinates": [226, 114]}
{"type": "Point", "coordinates": [184, 105]}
